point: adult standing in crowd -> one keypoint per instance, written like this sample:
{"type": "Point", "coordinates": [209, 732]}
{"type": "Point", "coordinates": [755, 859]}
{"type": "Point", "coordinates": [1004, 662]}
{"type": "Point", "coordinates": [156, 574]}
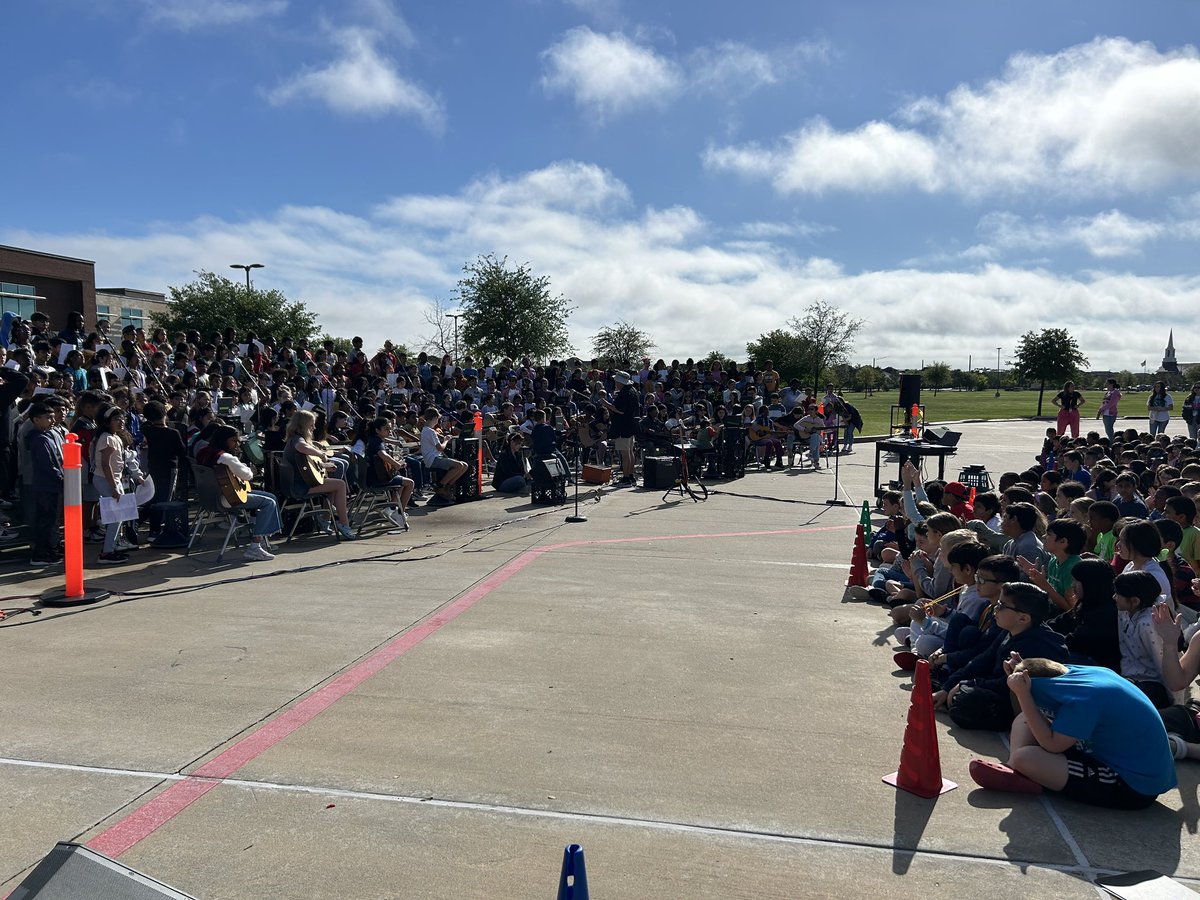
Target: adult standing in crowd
{"type": "Point", "coordinates": [1159, 407]}
{"type": "Point", "coordinates": [1068, 401]}
{"type": "Point", "coordinates": [1191, 411]}
{"type": "Point", "coordinates": [624, 424]}
{"type": "Point", "coordinates": [1108, 406]}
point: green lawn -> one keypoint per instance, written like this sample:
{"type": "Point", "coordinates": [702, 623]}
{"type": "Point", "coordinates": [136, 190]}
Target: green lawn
{"type": "Point", "coordinates": [949, 406]}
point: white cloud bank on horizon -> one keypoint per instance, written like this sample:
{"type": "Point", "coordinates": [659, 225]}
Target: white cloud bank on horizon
{"type": "Point", "coordinates": [693, 286]}
{"type": "Point", "coordinates": [189, 15]}
{"type": "Point", "coordinates": [610, 74]}
{"type": "Point", "coordinates": [1105, 116]}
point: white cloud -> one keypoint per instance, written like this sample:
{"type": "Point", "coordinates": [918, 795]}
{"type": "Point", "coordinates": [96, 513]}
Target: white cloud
{"type": "Point", "coordinates": [610, 74]}
{"type": "Point", "coordinates": [669, 271]}
{"type": "Point", "coordinates": [1106, 235]}
{"type": "Point", "coordinates": [361, 81]}
{"type": "Point", "coordinates": [187, 15]}
{"type": "Point", "coordinates": [1102, 117]}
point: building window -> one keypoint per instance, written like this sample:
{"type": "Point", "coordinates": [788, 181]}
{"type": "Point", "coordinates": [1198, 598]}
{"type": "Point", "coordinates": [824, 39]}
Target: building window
{"type": "Point", "coordinates": [18, 299]}
{"type": "Point", "coordinates": [131, 315]}
{"type": "Point", "coordinates": [104, 313]}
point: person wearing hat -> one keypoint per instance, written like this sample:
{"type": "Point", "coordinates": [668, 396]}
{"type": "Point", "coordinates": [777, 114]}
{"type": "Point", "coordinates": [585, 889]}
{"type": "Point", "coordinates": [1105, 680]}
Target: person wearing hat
{"type": "Point", "coordinates": [959, 496]}
{"type": "Point", "coordinates": [623, 426]}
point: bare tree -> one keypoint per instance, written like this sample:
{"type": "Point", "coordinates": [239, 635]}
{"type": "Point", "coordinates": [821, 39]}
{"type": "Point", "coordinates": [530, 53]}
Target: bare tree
{"type": "Point", "coordinates": [440, 338]}
{"type": "Point", "coordinates": [830, 331]}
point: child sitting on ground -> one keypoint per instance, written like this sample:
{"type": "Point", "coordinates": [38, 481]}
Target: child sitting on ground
{"type": "Point", "coordinates": [1018, 523]}
{"type": "Point", "coordinates": [970, 630]}
{"type": "Point", "coordinates": [935, 586]}
{"type": "Point", "coordinates": [929, 629]}
{"type": "Point", "coordinates": [1063, 545]}
{"type": "Point", "coordinates": [1102, 521]}
{"type": "Point", "coordinates": [1090, 625]}
{"type": "Point", "coordinates": [1127, 761]}
{"type": "Point", "coordinates": [921, 568]}
{"type": "Point", "coordinates": [975, 695]}
{"type": "Point", "coordinates": [1135, 594]}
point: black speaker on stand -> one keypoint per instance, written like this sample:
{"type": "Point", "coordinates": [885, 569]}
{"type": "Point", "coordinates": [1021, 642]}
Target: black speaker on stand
{"type": "Point", "coordinates": [910, 390]}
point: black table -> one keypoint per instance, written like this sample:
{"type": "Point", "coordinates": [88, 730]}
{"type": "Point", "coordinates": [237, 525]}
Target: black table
{"type": "Point", "coordinates": [910, 450]}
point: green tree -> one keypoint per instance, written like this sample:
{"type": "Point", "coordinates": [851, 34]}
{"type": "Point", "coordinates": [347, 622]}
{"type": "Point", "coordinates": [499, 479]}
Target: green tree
{"type": "Point", "coordinates": [866, 378]}
{"type": "Point", "coordinates": [511, 312]}
{"type": "Point", "coordinates": [791, 354]}
{"type": "Point", "coordinates": [829, 333]}
{"type": "Point", "coordinates": [712, 357]}
{"type": "Point", "coordinates": [621, 345]}
{"type": "Point", "coordinates": [213, 303]}
{"type": "Point", "coordinates": [937, 374]}
{"type": "Point", "coordinates": [1191, 375]}
{"type": "Point", "coordinates": [1048, 355]}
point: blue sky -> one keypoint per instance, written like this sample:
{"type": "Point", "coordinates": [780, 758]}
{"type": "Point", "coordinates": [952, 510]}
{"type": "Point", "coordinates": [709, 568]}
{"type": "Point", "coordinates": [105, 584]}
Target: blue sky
{"type": "Point", "coordinates": [952, 173]}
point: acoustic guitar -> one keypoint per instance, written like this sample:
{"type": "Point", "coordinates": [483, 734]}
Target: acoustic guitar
{"type": "Point", "coordinates": [233, 489]}
{"type": "Point", "coordinates": [759, 432]}
{"type": "Point", "coordinates": [311, 469]}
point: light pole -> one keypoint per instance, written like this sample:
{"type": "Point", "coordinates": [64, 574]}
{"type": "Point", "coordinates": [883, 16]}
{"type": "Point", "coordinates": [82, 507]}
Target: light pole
{"type": "Point", "coordinates": [997, 371]}
{"type": "Point", "coordinates": [455, 316]}
{"type": "Point", "coordinates": [247, 268]}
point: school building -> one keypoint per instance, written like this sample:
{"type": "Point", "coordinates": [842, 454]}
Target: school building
{"type": "Point", "coordinates": [34, 281]}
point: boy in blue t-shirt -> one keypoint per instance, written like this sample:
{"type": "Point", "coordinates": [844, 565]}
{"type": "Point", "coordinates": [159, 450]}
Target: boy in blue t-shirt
{"type": "Point", "coordinates": [1083, 731]}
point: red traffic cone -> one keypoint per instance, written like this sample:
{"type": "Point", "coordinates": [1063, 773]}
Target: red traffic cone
{"type": "Point", "coordinates": [858, 561]}
{"type": "Point", "coordinates": [920, 763]}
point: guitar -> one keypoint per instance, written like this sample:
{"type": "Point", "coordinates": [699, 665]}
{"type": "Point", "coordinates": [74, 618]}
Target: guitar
{"type": "Point", "coordinates": [759, 432]}
{"type": "Point", "coordinates": [233, 489]}
{"type": "Point", "coordinates": [311, 469]}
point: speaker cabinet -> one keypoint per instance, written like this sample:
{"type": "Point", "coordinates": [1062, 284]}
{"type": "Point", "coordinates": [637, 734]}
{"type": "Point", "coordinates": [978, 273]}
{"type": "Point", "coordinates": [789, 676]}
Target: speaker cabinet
{"type": "Point", "coordinates": [910, 390]}
{"type": "Point", "coordinates": [659, 473]}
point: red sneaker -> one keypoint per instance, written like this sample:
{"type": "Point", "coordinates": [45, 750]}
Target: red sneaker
{"type": "Point", "coordinates": [906, 660]}
{"type": "Point", "coordinates": [997, 777]}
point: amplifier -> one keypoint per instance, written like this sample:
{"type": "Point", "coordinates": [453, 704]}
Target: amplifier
{"type": "Point", "coordinates": [597, 474]}
{"type": "Point", "coordinates": [659, 473]}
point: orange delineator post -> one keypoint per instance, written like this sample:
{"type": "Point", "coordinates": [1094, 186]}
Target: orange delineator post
{"type": "Point", "coordinates": [72, 592]}
{"type": "Point", "coordinates": [73, 516]}
{"type": "Point", "coordinates": [479, 452]}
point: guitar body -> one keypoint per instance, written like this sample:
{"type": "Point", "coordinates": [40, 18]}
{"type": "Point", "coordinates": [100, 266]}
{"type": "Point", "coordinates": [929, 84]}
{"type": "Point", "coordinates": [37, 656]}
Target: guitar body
{"type": "Point", "coordinates": [311, 469]}
{"type": "Point", "coordinates": [233, 489]}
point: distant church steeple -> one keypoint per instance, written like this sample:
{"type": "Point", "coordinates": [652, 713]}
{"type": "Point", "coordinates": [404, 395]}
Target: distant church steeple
{"type": "Point", "coordinates": [1168, 364]}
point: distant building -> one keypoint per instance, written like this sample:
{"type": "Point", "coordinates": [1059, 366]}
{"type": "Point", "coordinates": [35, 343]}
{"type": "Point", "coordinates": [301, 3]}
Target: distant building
{"type": "Point", "coordinates": [33, 281]}
{"type": "Point", "coordinates": [1169, 365]}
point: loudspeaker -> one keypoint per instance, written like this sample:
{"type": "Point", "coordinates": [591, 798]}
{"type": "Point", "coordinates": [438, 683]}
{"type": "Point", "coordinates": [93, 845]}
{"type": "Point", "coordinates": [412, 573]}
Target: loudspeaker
{"type": "Point", "coordinates": [659, 473]}
{"type": "Point", "coordinates": [597, 474]}
{"type": "Point", "coordinates": [548, 468]}
{"type": "Point", "coordinates": [939, 434]}
{"type": "Point", "coordinates": [733, 452]}
{"type": "Point", "coordinates": [910, 391]}
{"type": "Point", "coordinates": [71, 871]}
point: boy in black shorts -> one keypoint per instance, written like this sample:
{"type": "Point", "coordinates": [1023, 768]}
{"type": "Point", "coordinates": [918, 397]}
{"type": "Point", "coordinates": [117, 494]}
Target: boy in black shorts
{"type": "Point", "coordinates": [1128, 761]}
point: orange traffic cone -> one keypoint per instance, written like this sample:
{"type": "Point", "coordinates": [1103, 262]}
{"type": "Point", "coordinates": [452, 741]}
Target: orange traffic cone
{"type": "Point", "coordinates": [920, 763]}
{"type": "Point", "coordinates": [858, 561]}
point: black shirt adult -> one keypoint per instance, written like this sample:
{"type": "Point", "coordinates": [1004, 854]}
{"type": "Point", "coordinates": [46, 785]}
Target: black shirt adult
{"type": "Point", "coordinates": [624, 423]}
{"type": "Point", "coordinates": [1068, 400]}
{"type": "Point", "coordinates": [165, 453]}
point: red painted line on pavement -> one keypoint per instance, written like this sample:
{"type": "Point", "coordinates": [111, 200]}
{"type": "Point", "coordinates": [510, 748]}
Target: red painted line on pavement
{"type": "Point", "coordinates": [151, 816]}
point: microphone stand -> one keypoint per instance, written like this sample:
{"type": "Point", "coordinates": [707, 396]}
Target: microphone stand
{"type": "Point", "coordinates": [837, 466]}
{"type": "Point", "coordinates": [576, 517]}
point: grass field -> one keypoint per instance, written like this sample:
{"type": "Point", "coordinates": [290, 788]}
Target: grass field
{"type": "Point", "coordinates": [948, 406]}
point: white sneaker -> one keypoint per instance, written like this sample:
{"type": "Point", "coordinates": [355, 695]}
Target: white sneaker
{"type": "Point", "coordinates": [396, 517]}
{"type": "Point", "coordinates": [256, 553]}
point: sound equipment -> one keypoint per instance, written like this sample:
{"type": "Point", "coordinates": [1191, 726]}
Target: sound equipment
{"type": "Point", "coordinates": [939, 434]}
{"type": "Point", "coordinates": [910, 390]}
{"type": "Point", "coordinates": [597, 474]}
{"type": "Point", "coordinates": [71, 871]}
{"type": "Point", "coordinates": [732, 453]}
{"type": "Point", "coordinates": [660, 473]}
{"type": "Point", "coordinates": [549, 486]}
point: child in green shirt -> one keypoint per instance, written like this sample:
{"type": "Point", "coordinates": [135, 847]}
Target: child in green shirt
{"type": "Point", "coordinates": [1063, 543]}
{"type": "Point", "coordinates": [1102, 516]}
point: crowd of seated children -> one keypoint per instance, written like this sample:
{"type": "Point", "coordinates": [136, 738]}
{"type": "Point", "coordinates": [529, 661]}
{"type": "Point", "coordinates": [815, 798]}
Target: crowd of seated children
{"type": "Point", "coordinates": [1061, 608]}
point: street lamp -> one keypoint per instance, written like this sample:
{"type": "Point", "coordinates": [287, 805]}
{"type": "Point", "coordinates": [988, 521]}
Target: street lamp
{"type": "Point", "coordinates": [455, 316]}
{"type": "Point", "coordinates": [247, 268]}
{"type": "Point", "coordinates": [997, 371]}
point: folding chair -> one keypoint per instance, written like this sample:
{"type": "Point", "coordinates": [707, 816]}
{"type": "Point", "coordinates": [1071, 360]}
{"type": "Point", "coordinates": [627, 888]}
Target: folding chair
{"type": "Point", "coordinates": [294, 495]}
{"type": "Point", "coordinates": [212, 511]}
{"type": "Point", "coordinates": [367, 492]}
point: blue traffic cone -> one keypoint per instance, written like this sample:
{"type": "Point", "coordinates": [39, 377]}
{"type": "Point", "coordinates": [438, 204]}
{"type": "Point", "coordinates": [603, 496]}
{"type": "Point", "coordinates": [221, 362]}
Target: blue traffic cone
{"type": "Point", "coordinates": [572, 884]}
